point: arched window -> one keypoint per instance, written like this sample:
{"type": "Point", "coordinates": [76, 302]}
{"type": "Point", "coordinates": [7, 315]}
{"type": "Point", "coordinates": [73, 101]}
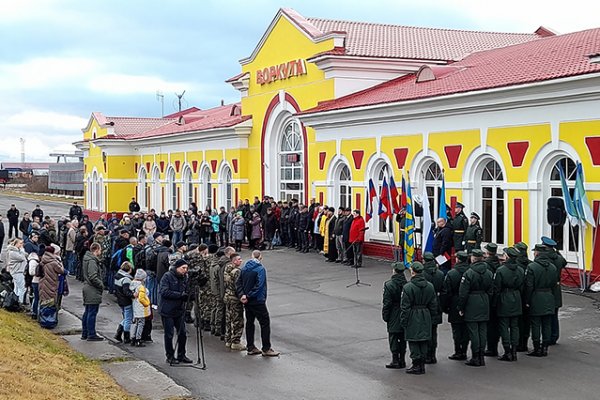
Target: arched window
{"type": "Point", "coordinates": [171, 189]}
{"type": "Point", "coordinates": [433, 185]}
{"type": "Point", "coordinates": [206, 195]}
{"type": "Point", "coordinates": [492, 202]}
{"type": "Point", "coordinates": [142, 195]}
{"type": "Point", "coordinates": [564, 234]}
{"type": "Point", "coordinates": [291, 166]}
{"type": "Point", "coordinates": [188, 187]}
{"type": "Point", "coordinates": [226, 188]}
{"type": "Point", "coordinates": [95, 194]}
{"type": "Point", "coordinates": [345, 190]}
{"type": "Point", "coordinates": [155, 189]}
{"type": "Point", "coordinates": [88, 193]}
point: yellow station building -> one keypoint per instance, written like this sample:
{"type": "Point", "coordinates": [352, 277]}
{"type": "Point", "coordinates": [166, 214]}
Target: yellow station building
{"type": "Point", "coordinates": [326, 105]}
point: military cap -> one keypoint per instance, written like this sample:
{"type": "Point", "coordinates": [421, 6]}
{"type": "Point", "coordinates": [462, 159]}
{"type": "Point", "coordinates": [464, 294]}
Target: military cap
{"type": "Point", "coordinates": [398, 266]}
{"type": "Point", "coordinates": [193, 246]}
{"type": "Point", "coordinates": [521, 246]}
{"type": "Point", "coordinates": [417, 267]}
{"type": "Point", "coordinates": [460, 205]}
{"type": "Point", "coordinates": [475, 215]}
{"type": "Point", "coordinates": [541, 247]}
{"type": "Point", "coordinates": [512, 252]}
{"type": "Point", "coordinates": [462, 255]}
{"type": "Point", "coordinates": [213, 248]}
{"type": "Point", "coordinates": [548, 241]}
{"type": "Point", "coordinates": [491, 247]}
{"type": "Point", "coordinates": [477, 253]}
{"type": "Point", "coordinates": [428, 256]}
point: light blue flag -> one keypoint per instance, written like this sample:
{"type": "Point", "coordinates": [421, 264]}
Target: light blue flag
{"type": "Point", "coordinates": [580, 199]}
{"type": "Point", "coordinates": [443, 211]}
{"type": "Point", "coordinates": [569, 206]}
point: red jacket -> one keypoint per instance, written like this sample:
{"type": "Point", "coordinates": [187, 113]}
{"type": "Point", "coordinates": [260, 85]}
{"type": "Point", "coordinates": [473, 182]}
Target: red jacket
{"type": "Point", "coordinates": [357, 230]}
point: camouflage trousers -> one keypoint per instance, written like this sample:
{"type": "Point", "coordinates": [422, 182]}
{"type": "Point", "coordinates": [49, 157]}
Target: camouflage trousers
{"type": "Point", "coordinates": [234, 321]}
{"type": "Point", "coordinates": [217, 321]}
{"type": "Point", "coordinates": [204, 305]}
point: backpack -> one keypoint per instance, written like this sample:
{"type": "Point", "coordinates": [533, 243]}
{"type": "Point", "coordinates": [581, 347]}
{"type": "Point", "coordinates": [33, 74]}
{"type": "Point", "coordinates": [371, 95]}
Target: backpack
{"type": "Point", "coordinates": [117, 259]}
{"type": "Point", "coordinates": [28, 277]}
{"type": "Point", "coordinates": [11, 302]}
{"type": "Point", "coordinates": [151, 257]}
{"type": "Point", "coordinates": [139, 257]}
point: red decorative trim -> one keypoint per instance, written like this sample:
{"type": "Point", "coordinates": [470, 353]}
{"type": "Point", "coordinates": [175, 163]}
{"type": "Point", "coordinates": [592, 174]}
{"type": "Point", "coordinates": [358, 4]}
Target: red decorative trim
{"type": "Point", "coordinates": [136, 168]}
{"type": "Point", "coordinates": [357, 156]}
{"type": "Point", "coordinates": [213, 165]}
{"type": "Point", "coordinates": [593, 145]}
{"type": "Point", "coordinates": [321, 198]}
{"type": "Point", "coordinates": [358, 202]}
{"type": "Point", "coordinates": [234, 162]}
{"type": "Point", "coordinates": [196, 195]}
{"type": "Point", "coordinates": [401, 154]}
{"type": "Point", "coordinates": [214, 198]}
{"type": "Point", "coordinates": [517, 151]}
{"type": "Point", "coordinates": [177, 164]}
{"type": "Point", "coordinates": [148, 167]}
{"type": "Point", "coordinates": [162, 169]}
{"type": "Point", "coordinates": [452, 154]}
{"type": "Point", "coordinates": [162, 197]}
{"type": "Point", "coordinates": [453, 202]}
{"type": "Point", "coordinates": [518, 220]}
{"type": "Point", "coordinates": [322, 156]}
{"type": "Point", "coordinates": [195, 166]}
{"type": "Point", "coordinates": [237, 197]}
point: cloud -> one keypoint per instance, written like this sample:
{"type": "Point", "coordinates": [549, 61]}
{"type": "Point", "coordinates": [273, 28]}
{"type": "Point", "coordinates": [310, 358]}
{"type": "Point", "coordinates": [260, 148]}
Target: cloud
{"type": "Point", "coordinates": [133, 84]}
{"type": "Point", "coordinates": [45, 119]}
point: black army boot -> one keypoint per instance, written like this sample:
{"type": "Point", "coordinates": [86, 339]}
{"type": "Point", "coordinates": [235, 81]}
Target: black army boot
{"type": "Point", "coordinates": [418, 368]}
{"type": "Point", "coordinates": [474, 361]}
{"type": "Point", "coordinates": [126, 337]}
{"type": "Point", "coordinates": [395, 364]}
{"type": "Point", "coordinates": [507, 356]}
{"type": "Point", "coordinates": [119, 335]}
{"type": "Point", "coordinates": [537, 351]}
{"type": "Point", "coordinates": [482, 359]}
{"type": "Point", "coordinates": [544, 350]}
{"type": "Point", "coordinates": [459, 354]}
{"type": "Point", "coordinates": [206, 325]}
{"type": "Point", "coordinates": [514, 353]}
{"type": "Point", "coordinates": [401, 361]}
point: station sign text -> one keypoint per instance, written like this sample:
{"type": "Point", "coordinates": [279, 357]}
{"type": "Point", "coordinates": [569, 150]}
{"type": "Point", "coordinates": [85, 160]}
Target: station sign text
{"type": "Point", "coordinates": [280, 72]}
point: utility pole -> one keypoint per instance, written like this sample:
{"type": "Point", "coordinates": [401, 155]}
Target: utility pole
{"type": "Point", "coordinates": [161, 97]}
{"type": "Point", "coordinates": [22, 149]}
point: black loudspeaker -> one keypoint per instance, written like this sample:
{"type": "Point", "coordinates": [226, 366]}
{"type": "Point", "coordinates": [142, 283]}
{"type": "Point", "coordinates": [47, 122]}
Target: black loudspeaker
{"type": "Point", "coordinates": [556, 214]}
{"type": "Point", "coordinates": [418, 209]}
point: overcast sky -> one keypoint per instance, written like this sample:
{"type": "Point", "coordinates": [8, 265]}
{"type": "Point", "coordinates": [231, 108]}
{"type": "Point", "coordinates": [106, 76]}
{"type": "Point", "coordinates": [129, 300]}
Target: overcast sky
{"type": "Point", "coordinates": [60, 60]}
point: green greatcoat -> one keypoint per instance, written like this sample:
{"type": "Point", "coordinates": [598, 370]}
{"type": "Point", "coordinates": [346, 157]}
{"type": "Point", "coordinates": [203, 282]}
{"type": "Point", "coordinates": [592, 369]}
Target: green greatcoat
{"type": "Point", "coordinates": [473, 237]}
{"type": "Point", "coordinates": [392, 296]}
{"type": "Point", "coordinates": [419, 306]}
{"type": "Point", "coordinates": [449, 295]}
{"type": "Point", "coordinates": [560, 263]}
{"type": "Point", "coordinates": [508, 284]}
{"type": "Point", "coordinates": [476, 286]}
{"type": "Point", "coordinates": [493, 263]}
{"type": "Point", "coordinates": [540, 282]}
{"type": "Point", "coordinates": [459, 225]}
{"type": "Point", "coordinates": [436, 277]}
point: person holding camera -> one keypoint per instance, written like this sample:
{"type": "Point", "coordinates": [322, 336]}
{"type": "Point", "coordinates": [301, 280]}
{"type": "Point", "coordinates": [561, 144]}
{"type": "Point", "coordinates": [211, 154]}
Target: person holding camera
{"type": "Point", "coordinates": [173, 298]}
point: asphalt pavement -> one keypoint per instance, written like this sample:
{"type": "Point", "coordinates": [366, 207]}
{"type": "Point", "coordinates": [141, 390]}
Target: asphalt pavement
{"type": "Point", "coordinates": [334, 343]}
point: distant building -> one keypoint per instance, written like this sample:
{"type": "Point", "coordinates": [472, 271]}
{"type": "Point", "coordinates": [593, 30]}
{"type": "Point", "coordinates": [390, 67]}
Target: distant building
{"type": "Point", "coordinates": [26, 170]}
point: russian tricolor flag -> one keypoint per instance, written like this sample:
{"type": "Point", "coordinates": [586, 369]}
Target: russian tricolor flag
{"type": "Point", "coordinates": [370, 196]}
{"type": "Point", "coordinates": [394, 195]}
{"type": "Point", "coordinates": [384, 201]}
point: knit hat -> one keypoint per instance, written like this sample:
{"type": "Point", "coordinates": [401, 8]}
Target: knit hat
{"type": "Point", "coordinates": [180, 244]}
{"type": "Point", "coordinates": [417, 267]}
{"type": "Point", "coordinates": [49, 249]}
{"type": "Point", "coordinates": [213, 248]}
{"type": "Point", "coordinates": [140, 275]}
{"type": "Point", "coordinates": [179, 263]}
{"type": "Point", "coordinates": [156, 235]}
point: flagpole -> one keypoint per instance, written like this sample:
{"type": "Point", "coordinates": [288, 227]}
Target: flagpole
{"type": "Point", "coordinates": [578, 257]}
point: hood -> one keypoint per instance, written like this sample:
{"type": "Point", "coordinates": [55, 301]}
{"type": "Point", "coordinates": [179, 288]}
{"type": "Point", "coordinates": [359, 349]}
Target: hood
{"type": "Point", "coordinates": [122, 274]}
{"type": "Point", "coordinates": [252, 264]}
{"type": "Point", "coordinates": [49, 257]}
{"type": "Point", "coordinates": [419, 280]}
{"type": "Point", "coordinates": [89, 256]}
{"type": "Point", "coordinates": [479, 267]}
{"type": "Point", "coordinates": [134, 285]}
{"type": "Point", "coordinates": [511, 264]}
{"type": "Point", "coordinates": [461, 267]}
{"type": "Point", "coordinates": [430, 267]}
{"type": "Point", "coordinates": [543, 260]}
{"type": "Point", "coordinates": [10, 247]}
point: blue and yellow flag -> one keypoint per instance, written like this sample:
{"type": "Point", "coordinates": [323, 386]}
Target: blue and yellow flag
{"type": "Point", "coordinates": [409, 230]}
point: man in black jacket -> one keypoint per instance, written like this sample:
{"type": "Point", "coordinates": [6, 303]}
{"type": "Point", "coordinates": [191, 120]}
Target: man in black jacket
{"type": "Point", "coordinates": [13, 220]}
{"type": "Point", "coordinates": [442, 243]}
{"type": "Point", "coordinates": [38, 212]}
{"type": "Point", "coordinates": [293, 224]}
{"type": "Point", "coordinates": [173, 298]}
{"type": "Point", "coordinates": [75, 212]}
{"type": "Point", "coordinates": [134, 206]}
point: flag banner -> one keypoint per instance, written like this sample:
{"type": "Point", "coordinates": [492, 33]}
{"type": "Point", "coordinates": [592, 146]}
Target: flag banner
{"type": "Point", "coordinates": [569, 206]}
{"type": "Point", "coordinates": [394, 195]}
{"type": "Point", "coordinates": [384, 201]}
{"type": "Point", "coordinates": [427, 232]}
{"type": "Point", "coordinates": [581, 202]}
{"type": "Point", "coordinates": [443, 212]}
{"type": "Point", "coordinates": [403, 194]}
{"type": "Point", "coordinates": [409, 230]}
{"type": "Point", "coordinates": [371, 194]}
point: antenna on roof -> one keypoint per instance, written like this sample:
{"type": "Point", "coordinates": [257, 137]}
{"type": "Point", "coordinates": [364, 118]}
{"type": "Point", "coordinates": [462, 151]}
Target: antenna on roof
{"type": "Point", "coordinates": [161, 97]}
{"type": "Point", "coordinates": [180, 100]}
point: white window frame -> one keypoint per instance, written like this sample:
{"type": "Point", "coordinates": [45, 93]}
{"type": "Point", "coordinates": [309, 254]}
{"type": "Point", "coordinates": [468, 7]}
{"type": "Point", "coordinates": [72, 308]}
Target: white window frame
{"type": "Point", "coordinates": [494, 185]}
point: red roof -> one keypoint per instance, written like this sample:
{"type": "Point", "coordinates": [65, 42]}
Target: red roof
{"type": "Point", "coordinates": [200, 120]}
{"type": "Point", "coordinates": [124, 126]}
{"type": "Point", "coordinates": [182, 112]}
{"type": "Point", "coordinates": [540, 60]}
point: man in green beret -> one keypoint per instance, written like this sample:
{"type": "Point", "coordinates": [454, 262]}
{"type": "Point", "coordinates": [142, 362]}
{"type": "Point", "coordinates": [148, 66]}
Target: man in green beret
{"type": "Point", "coordinates": [418, 308]}
{"type": "Point", "coordinates": [449, 301]}
{"type": "Point", "coordinates": [476, 287]}
{"type": "Point", "coordinates": [474, 234]}
{"type": "Point", "coordinates": [524, 326]}
{"type": "Point", "coordinates": [493, 332]}
{"type": "Point", "coordinates": [540, 282]}
{"type": "Point", "coordinates": [392, 296]}
{"type": "Point", "coordinates": [434, 276]}
{"type": "Point", "coordinates": [560, 263]}
{"type": "Point", "coordinates": [508, 284]}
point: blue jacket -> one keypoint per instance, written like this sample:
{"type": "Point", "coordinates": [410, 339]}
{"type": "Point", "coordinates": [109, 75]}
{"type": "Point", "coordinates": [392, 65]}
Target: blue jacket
{"type": "Point", "coordinates": [253, 282]}
{"type": "Point", "coordinates": [172, 292]}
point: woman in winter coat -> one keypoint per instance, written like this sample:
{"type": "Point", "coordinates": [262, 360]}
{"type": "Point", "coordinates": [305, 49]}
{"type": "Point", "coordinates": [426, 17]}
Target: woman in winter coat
{"type": "Point", "coordinates": [216, 222]}
{"type": "Point", "coordinates": [17, 263]}
{"type": "Point", "coordinates": [33, 262]}
{"type": "Point", "coordinates": [270, 224]}
{"type": "Point", "coordinates": [149, 227]}
{"type": "Point", "coordinates": [193, 230]}
{"type": "Point", "coordinates": [256, 230]}
{"type": "Point", "coordinates": [53, 268]}
{"type": "Point", "coordinates": [205, 227]}
{"type": "Point", "coordinates": [238, 230]}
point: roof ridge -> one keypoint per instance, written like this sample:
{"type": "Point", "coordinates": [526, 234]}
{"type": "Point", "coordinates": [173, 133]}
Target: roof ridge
{"type": "Point", "coordinates": [311, 19]}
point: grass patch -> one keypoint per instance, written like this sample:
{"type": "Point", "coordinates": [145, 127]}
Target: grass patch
{"type": "Point", "coordinates": [38, 196]}
{"type": "Point", "coordinates": [37, 364]}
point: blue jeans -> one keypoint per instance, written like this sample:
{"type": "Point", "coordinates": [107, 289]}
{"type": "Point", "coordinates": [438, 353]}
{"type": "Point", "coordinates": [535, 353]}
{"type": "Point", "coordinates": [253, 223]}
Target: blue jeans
{"type": "Point", "coordinates": [177, 237]}
{"type": "Point", "coordinates": [36, 298]}
{"type": "Point", "coordinates": [110, 280]}
{"type": "Point", "coordinates": [151, 287]}
{"type": "Point", "coordinates": [127, 312]}
{"type": "Point", "coordinates": [88, 321]}
{"type": "Point", "coordinates": [71, 259]}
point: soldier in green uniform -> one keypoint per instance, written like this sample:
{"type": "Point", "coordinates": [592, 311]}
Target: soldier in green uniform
{"type": "Point", "coordinates": [433, 275]}
{"type": "Point", "coordinates": [418, 308]}
{"type": "Point", "coordinates": [560, 263]}
{"type": "Point", "coordinates": [392, 295]}
{"type": "Point", "coordinates": [234, 309]}
{"type": "Point", "coordinates": [449, 301]}
{"type": "Point", "coordinates": [508, 285]}
{"type": "Point", "coordinates": [193, 259]}
{"type": "Point", "coordinates": [524, 326]}
{"type": "Point", "coordinates": [493, 335]}
{"type": "Point", "coordinates": [474, 234]}
{"type": "Point", "coordinates": [474, 293]}
{"type": "Point", "coordinates": [459, 224]}
{"type": "Point", "coordinates": [401, 220]}
{"type": "Point", "coordinates": [540, 282]}
{"type": "Point", "coordinates": [206, 295]}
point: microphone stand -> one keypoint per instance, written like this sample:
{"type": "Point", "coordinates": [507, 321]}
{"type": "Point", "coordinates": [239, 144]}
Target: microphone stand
{"type": "Point", "coordinates": [200, 359]}
{"type": "Point", "coordinates": [358, 283]}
